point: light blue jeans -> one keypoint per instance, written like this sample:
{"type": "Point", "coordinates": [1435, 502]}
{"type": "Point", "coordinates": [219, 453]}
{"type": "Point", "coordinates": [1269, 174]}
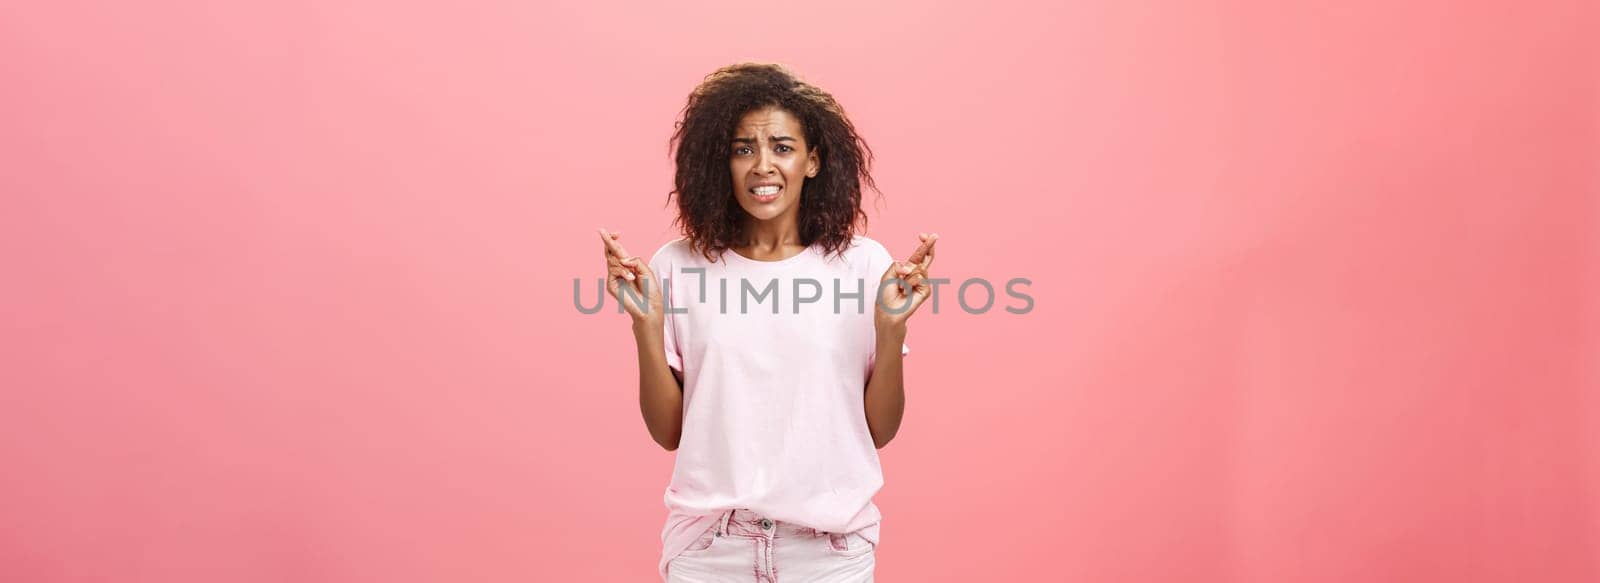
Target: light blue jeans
{"type": "Point", "coordinates": [745, 547]}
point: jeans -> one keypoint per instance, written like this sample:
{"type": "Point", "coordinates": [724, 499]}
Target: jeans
{"type": "Point", "coordinates": [745, 547]}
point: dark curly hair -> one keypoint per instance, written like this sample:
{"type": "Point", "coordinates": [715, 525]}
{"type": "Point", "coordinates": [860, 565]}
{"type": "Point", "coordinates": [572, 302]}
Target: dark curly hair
{"type": "Point", "coordinates": [830, 205]}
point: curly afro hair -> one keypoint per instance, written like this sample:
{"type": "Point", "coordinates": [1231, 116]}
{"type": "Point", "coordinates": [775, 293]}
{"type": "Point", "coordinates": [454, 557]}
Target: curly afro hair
{"type": "Point", "coordinates": [830, 206]}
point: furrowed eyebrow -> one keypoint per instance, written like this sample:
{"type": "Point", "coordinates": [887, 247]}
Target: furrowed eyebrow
{"type": "Point", "coordinates": [753, 140]}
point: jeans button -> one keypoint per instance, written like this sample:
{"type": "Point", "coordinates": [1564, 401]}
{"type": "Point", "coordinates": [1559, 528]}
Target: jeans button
{"type": "Point", "coordinates": [766, 524]}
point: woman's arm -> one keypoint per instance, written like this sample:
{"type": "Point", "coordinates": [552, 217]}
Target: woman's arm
{"type": "Point", "coordinates": [660, 389]}
{"type": "Point", "coordinates": [901, 291]}
{"type": "Point", "coordinates": [886, 394]}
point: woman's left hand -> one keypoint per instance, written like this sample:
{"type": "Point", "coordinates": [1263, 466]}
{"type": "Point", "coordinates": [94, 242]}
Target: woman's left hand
{"type": "Point", "coordinates": [898, 300]}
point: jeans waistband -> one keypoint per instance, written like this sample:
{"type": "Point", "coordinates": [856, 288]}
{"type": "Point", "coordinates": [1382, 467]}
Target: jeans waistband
{"type": "Point", "coordinates": [742, 521]}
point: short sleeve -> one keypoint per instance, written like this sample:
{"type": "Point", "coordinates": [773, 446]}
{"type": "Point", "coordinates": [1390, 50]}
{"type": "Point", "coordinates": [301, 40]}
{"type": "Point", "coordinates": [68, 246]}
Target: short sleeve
{"type": "Point", "coordinates": [878, 261]}
{"type": "Point", "coordinates": [664, 268]}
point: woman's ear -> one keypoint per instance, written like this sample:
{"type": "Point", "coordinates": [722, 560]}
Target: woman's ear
{"type": "Point", "coordinates": [813, 165]}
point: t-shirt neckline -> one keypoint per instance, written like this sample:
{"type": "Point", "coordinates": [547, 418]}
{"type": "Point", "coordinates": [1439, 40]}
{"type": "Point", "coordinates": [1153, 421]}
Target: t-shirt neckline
{"type": "Point", "coordinates": [737, 258]}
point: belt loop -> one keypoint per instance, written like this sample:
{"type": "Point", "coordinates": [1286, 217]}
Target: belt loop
{"type": "Point", "coordinates": [722, 527]}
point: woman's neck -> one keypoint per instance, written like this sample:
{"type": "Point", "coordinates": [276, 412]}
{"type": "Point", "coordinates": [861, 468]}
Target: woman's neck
{"type": "Point", "coordinates": [770, 238]}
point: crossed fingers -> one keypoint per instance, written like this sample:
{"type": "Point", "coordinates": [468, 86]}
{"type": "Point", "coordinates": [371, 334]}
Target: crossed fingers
{"type": "Point", "coordinates": [915, 269]}
{"type": "Point", "coordinates": [619, 264]}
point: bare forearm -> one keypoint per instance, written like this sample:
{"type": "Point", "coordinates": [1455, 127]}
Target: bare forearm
{"type": "Point", "coordinates": [886, 395]}
{"type": "Point", "coordinates": [660, 394]}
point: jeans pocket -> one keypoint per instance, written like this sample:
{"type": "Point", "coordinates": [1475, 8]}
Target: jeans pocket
{"type": "Point", "coordinates": [707, 541]}
{"type": "Point", "coordinates": [849, 544]}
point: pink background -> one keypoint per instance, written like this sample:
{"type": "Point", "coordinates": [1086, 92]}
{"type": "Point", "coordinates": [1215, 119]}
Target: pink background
{"type": "Point", "coordinates": [289, 286]}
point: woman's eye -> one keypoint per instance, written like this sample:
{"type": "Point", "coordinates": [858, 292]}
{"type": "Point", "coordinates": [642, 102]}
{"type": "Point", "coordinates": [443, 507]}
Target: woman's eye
{"type": "Point", "coordinates": [741, 150]}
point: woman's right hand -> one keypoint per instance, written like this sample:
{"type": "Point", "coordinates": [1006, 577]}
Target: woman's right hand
{"type": "Point", "coordinates": [623, 269]}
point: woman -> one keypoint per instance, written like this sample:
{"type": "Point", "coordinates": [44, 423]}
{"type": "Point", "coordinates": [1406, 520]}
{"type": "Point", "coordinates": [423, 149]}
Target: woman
{"type": "Point", "coordinates": [776, 411]}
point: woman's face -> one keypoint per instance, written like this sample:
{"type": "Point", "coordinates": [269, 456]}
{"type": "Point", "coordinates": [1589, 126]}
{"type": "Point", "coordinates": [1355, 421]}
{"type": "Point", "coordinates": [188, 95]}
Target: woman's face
{"type": "Point", "coordinates": [770, 160]}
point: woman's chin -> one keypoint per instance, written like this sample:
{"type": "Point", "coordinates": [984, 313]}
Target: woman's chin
{"type": "Point", "coordinates": [763, 212]}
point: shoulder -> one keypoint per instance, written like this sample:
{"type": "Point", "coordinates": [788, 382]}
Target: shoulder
{"type": "Point", "coordinates": [868, 253]}
{"type": "Point", "coordinates": [868, 247]}
{"type": "Point", "coordinates": [867, 244]}
{"type": "Point", "coordinates": [673, 251]}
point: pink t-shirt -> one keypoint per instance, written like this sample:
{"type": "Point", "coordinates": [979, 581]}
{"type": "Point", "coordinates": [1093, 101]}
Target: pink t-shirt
{"type": "Point", "coordinates": [775, 357]}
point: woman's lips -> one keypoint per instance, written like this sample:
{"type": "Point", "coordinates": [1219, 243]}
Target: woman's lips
{"type": "Point", "coordinates": [766, 193]}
